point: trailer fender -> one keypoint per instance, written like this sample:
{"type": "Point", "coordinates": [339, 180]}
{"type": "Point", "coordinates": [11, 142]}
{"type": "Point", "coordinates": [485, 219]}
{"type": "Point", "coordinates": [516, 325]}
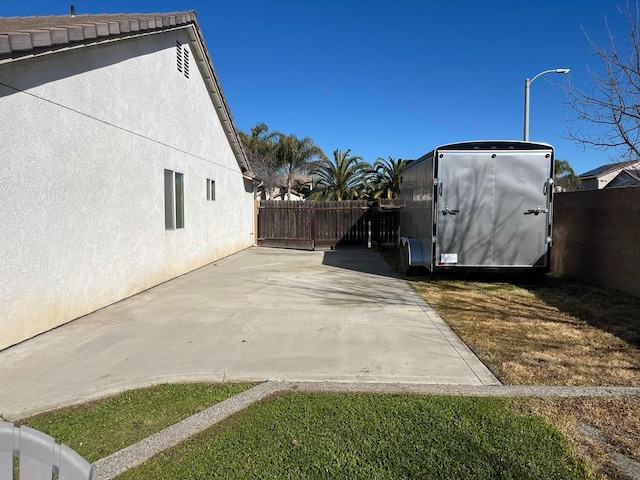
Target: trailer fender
{"type": "Point", "coordinates": [410, 254]}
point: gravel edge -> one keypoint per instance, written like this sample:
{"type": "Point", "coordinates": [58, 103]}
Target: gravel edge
{"type": "Point", "coordinates": [138, 453]}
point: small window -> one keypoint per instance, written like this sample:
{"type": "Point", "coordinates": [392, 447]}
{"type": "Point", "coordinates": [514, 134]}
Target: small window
{"type": "Point", "coordinates": [211, 189]}
{"type": "Point", "coordinates": [179, 200]}
{"type": "Point", "coordinates": [173, 200]}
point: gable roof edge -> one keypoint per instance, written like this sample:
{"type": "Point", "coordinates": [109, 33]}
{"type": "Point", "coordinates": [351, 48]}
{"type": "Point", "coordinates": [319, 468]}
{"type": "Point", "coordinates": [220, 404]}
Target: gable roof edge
{"type": "Point", "coordinates": [217, 96]}
{"type": "Point", "coordinates": [606, 169]}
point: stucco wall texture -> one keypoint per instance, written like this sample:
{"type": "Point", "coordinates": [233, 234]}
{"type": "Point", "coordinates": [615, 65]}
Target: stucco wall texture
{"type": "Point", "coordinates": [596, 237]}
{"type": "Point", "coordinates": [86, 138]}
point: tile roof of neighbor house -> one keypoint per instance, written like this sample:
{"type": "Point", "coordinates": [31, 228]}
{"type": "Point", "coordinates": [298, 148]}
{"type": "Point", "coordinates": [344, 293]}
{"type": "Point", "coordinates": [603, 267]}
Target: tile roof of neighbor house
{"type": "Point", "coordinates": [22, 37]}
{"type": "Point", "coordinates": [607, 168]}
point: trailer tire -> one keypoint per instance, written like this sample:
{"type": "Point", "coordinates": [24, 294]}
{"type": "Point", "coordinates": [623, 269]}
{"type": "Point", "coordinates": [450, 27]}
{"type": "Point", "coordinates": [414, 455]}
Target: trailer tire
{"type": "Point", "coordinates": [403, 259]}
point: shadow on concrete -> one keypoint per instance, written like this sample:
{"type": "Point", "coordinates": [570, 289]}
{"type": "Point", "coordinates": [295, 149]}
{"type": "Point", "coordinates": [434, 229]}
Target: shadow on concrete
{"type": "Point", "coordinates": [359, 259]}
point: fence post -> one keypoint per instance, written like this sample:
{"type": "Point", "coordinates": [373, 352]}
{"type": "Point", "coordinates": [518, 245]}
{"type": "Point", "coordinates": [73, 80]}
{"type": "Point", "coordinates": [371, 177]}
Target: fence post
{"type": "Point", "coordinates": [313, 227]}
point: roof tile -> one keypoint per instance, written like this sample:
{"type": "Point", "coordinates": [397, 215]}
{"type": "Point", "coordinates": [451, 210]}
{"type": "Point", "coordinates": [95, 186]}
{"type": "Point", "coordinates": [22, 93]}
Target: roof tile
{"type": "Point", "coordinates": [17, 32]}
{"type": "Point", "coordinates": [20, 41]}
{"type": "Point", "coordinates": [89, 31]}
{"type": "Point", "coordinates": [76, 33]}
{"type": "Point", "coordinates": [102, 29]}
{"type": "Point", "coordinates": [59, 36]}
{"type": "Point", "coordinates": [125, 26]}
{"type": "Point", "coordinates": [40, 38]}
{"type": "Point", "coordinates": [114, 28]}
{"type": "Point", "coordinates": [4, 44]}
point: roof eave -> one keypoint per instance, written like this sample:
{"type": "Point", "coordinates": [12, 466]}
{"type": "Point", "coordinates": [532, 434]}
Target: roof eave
{"type": "Point", "coordinates": [205, 64]}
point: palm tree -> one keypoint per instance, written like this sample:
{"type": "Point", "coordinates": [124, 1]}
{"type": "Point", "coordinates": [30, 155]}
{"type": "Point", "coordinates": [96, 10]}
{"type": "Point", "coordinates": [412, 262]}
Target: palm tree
{"type": "Point", "coordinates": [260, 142]}
{"type": "Point", "coordinates": [260, 147]}
{"type": "Point", "coordinates": [296, 156]}
{"type": "Point", "coordinates": [566, 179]}
{"type": "Point", "coordinates": [387, 177]}
{"type": "Point", "coordinates": [343, 179]}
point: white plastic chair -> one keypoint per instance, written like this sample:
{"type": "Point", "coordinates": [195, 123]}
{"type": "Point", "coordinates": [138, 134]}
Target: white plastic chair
{"type": "Point", "coordinates": [40, 456]}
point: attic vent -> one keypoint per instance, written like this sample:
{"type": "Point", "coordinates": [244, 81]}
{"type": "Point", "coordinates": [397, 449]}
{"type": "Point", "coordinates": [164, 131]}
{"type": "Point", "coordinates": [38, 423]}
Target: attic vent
{"type": "Point", "coordinates": [182, 59]}
{"type": "Point", "coordinates": [179, 56]}
{"type": "Point", "coordinates": [186, 62]}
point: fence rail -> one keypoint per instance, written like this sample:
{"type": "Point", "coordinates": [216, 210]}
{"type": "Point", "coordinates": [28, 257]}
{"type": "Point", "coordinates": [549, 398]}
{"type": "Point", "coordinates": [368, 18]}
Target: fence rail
{"type": "Point", "coordinates": [327, 224]}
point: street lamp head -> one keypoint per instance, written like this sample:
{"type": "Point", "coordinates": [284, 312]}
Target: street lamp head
{"type": "Point", "coordinates": [527, 86]}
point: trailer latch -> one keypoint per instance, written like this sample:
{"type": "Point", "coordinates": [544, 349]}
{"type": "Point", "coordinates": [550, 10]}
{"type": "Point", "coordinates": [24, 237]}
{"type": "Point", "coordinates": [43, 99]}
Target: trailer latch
{"type": "Point", "coordinates": [448, 211]}
{"type": "Point", "coordinates": [537, 211]}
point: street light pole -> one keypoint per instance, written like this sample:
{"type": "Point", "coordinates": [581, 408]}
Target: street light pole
{"type": "Point", "coordinates": [527, 88]}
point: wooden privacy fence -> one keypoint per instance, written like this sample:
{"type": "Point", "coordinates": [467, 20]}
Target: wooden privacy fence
{"type": "Point", "coordinates": [327, 224]}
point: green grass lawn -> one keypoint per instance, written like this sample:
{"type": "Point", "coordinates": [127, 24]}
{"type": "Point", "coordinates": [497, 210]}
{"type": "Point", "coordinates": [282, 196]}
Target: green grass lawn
{"type": "Point", "coordinates": [356, 436]}
{"type": "Point", "coordinates": [100, 428]}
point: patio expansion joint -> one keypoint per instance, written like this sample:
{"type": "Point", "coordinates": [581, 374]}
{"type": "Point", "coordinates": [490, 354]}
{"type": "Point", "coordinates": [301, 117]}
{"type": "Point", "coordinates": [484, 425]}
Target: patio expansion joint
{"type": "Point", "coordinates": [138, 453]}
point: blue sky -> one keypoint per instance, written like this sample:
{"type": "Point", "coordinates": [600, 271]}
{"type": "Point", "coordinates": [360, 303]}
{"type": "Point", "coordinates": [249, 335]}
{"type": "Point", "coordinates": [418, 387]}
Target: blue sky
{"type": "Point", "coordinates": [393, 78]}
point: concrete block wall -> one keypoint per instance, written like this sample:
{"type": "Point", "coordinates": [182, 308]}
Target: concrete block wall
{"type": "Point", "coordinates": [597, 237]}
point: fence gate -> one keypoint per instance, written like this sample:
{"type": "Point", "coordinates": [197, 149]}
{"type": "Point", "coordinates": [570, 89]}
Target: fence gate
{"type": "Point", "coordinates": [327, 224]}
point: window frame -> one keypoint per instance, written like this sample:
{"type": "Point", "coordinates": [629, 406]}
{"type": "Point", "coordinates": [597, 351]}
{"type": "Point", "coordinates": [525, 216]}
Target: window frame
{"type": "Point", "coordinates": [173, 200]}
{"type": "Point", "coordinates": [211, 190]}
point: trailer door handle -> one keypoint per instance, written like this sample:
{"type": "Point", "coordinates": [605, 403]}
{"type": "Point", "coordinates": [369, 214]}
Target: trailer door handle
{"type": "Point", "coordinates": [537, 211]}
{"type": "Point", "coordinates": [448, 211]}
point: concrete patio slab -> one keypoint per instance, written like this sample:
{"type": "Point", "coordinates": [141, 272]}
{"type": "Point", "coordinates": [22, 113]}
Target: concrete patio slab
{"type": "Point", "coordinates": [262, 314]}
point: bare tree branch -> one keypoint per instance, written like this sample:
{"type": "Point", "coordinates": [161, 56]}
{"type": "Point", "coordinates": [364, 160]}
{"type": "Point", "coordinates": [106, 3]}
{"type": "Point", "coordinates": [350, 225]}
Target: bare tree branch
{"type": "Point", "coordinates": [612, 105]}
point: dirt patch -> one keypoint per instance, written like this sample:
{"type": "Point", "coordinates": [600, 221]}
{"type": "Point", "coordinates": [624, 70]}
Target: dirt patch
{"type": "Point", "coordinates": [551, 332]}
{"type": "Point", "coordinates": [605, 432]}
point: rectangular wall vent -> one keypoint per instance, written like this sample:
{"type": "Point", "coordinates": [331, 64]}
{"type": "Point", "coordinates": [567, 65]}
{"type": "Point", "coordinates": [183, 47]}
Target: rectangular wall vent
{"type": "Point", "coordinates": [179, 56]}
{"type": "Point", "coordinates": [186, 62]}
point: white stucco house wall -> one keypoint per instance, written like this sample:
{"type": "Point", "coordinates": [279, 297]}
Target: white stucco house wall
{"type": "Point", "coordinates": [121, 167]}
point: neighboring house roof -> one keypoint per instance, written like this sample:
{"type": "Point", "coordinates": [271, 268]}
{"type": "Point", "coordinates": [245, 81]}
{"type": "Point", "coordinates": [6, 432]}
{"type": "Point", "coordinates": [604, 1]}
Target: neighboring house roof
{"type": "Point", "coordinates": [626, 178]}
{"type": "Point", "coordinates": [28, 37]}
{"type": "Point", "coordinates": [605, 169]}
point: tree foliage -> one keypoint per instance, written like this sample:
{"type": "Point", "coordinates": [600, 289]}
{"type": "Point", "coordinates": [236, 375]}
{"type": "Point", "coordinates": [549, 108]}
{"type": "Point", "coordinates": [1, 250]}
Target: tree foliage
{"type": "Point", "coordinates": [281, 160]}
{"type": "Point", "coordinates": [344, 178]}
{"type": "Point", "coordinates": [387, 177]}
{"type": "Point", "coordinates": [612, 104]}
{"type": "Point", "coordinates": [296, 156]}
{"type": "Point", "coordinates": [565, 179]}
{"type": "Point", "coordinates": [260, 147]}
{"type": "Point", "coordinates": [277, 159]}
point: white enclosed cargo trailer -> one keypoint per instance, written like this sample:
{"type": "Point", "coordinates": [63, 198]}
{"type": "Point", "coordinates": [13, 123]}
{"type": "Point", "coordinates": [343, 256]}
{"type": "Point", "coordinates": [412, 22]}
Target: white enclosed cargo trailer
{"type": "Point", "coordinates": [478, 205]}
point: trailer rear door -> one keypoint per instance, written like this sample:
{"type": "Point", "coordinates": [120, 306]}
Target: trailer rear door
{"type": "Point", "coordinates": [521, 211]}
{"type": "Point", "coordinates": [492, 208]}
